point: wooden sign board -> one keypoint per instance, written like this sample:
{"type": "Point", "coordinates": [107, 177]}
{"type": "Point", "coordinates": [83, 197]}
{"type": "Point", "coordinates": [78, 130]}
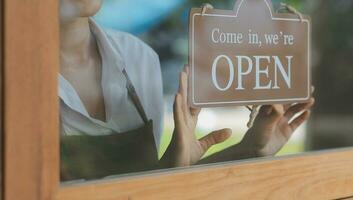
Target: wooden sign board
{"type": "Point", "coordinates": [248, 55]}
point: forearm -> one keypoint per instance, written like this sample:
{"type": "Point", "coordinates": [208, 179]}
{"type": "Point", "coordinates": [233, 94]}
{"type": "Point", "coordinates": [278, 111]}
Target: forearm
{"type": "Point", "coordinates": [171, 157]}
{"type": "Point", "coordinates": [235, 152]}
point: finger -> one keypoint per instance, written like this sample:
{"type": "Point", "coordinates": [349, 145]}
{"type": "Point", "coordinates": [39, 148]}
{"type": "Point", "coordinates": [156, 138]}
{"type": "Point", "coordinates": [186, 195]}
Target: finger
{"type": "Point", "coordinates": [287, 106]}
{"type": "Point", "coordinates": [270, 113]}
{"type": "Point", "coordinates": [177, 110]}
{"type": "Point", "coordinates": [183, 83]}
{"type": "Point", "coordinates": [179, 120]}
{"type": "Point", "coordinates": [293, 110]}
{"type": "Point", "coordinates": [182, 80]}
{"type": "Point", "coordinates": [276, 112]}
{"type": "Point", "coordinates": [299, 120]}
{"type": "Point", "coordinates": [183, 90]}
{"type": "Point", "coordinates": [193, 111]}
{"type": "Point", "coordinates": [215, 137]}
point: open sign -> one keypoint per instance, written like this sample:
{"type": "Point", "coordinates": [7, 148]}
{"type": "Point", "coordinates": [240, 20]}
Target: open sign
{"type": "Point", "coordinates": [248, 55]}
{"type": "Point", "coordinates": [258, 70]}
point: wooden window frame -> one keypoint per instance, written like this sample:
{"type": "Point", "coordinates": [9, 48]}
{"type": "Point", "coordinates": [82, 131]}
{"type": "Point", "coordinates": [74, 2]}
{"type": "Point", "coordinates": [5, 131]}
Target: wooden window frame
{"type": "Point", "coordinates": [30, 49]}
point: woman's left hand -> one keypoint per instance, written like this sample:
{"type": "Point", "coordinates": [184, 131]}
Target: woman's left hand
{"type": "Point", "coordinates": [185, 149]}
{"type": "Point", "coordinates": [273, 127]}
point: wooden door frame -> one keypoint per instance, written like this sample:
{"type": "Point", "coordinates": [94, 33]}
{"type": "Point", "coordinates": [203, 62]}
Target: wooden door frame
{"type": "Point", "coordinates": [31, 141]}
{"type": "Point", "coordinates": [1, 98]}
{"type": "Point", "coordinates": [31, 59]}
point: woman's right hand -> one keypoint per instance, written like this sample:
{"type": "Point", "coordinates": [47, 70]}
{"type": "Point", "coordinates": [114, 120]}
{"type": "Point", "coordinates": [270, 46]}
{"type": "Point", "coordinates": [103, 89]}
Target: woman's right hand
{"type": "Point", "coordinates": [185, 149]}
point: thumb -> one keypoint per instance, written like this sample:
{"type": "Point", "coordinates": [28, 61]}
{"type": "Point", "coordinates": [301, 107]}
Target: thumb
{"type": "Point", "coordinates": [215, 137]}
{"type": "Point", "coordinates": [270, 114]}
{"type": "Point", "coordinates": [276, 113]}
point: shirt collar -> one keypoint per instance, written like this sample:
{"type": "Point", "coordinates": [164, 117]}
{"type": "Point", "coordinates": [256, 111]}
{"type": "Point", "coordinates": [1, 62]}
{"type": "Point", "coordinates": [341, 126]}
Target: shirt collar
{"type": "Point", "coordinates": [108, 53]}
{"type": "Point", "coordinates": [107, 50]}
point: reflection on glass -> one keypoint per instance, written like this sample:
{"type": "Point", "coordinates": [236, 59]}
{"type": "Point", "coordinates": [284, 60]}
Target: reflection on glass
{"type": "Point", "coordinates": [119, 112]}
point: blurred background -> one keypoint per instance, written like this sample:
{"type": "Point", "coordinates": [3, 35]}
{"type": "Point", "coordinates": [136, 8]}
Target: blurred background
{"type": "Point", "coordinates": [163, 24]}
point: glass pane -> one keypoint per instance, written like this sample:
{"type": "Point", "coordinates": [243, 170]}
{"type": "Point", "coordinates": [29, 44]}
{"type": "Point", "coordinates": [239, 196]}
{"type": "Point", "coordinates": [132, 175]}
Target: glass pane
{"type": "Point", "coordinates": [120, 69]}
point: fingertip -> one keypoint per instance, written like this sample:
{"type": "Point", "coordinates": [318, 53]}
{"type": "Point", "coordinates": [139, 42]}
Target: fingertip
{"type": "Point", "coordinates": [224, 134]}
{"type": "Point", "coordinates": [312, 100]}
{"type": "Point", "coordinates": [227, 132]}
{"type": "Point", "coordinates": [310, 103]}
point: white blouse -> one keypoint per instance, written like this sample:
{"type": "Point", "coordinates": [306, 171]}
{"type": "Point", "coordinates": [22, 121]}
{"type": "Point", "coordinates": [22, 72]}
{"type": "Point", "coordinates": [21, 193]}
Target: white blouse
{"type": "Point", "coordinates": [118, 50]}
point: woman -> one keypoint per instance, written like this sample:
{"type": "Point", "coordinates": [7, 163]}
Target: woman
{"type": "Point", "coordinates": [112, 105]}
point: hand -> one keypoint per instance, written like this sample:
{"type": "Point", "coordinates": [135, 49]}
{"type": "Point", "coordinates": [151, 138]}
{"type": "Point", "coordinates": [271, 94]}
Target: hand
{"type": "Point", "coordinates": [185, 149]}
{"type": "Point", "coordinates": [273, 127]}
